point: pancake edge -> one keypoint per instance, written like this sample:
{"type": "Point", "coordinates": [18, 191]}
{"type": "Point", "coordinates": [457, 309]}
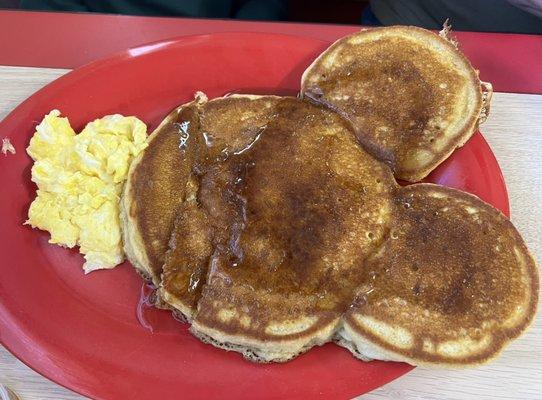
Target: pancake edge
{"type": "Point", "coordinates": [265, 351]}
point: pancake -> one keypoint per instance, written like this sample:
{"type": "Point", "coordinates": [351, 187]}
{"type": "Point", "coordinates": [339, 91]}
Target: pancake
{"type": "Point", "coordinates": [226, 125]}
{"type": "Point", "coordinates": [159, 180]}
{"type": "Point", "coordinates": [153, 192]}
{"type": "Point", "coordinates": [291, 218]}
{"type": "Point", "coordinates": [452, 284]}
{"type": "Point", "coordinates": [410, 94]}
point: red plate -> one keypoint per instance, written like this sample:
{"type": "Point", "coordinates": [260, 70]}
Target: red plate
{"type": "Point", "coordinates": [83, 331]}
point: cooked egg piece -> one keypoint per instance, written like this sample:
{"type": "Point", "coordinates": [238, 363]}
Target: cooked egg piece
{"type": "Point", "coordinates": [80, 178]}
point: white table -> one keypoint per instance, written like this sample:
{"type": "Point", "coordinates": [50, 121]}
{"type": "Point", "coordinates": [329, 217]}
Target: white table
{"type": "Point", "coordinates": [514, 131]}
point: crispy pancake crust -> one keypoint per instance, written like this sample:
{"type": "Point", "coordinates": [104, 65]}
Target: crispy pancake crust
{"type": "Point", "coordinates": [411, 95]}
{"type": "Point", "coordinates": [451, 286]}
{"type": "Point", "coordinates": [294, 217]}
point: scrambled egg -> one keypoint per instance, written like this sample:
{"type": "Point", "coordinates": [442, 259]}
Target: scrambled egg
{"type": "Point", "coordinates": [80, 179]}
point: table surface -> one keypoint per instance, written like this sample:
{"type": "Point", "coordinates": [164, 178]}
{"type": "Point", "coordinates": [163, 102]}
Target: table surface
{"type": "Point", "coordinates": [511, 62]}
{"type": "Point", "coordinates": [514, 131]}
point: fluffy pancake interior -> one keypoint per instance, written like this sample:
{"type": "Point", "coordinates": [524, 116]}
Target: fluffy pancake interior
{"type": "Point", "coordinates": [452, 284]}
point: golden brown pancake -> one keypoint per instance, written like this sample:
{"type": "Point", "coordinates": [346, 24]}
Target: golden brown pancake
{"type": "Point", "coordinates": [291, 220]}
{"type": "Point", "coordinates": [411, 95]}
{"type": "Point", "coordinates": [226, 125]}
{"type": "Point", "coordinates": [154, 191]}
{"type": "Point", "coordinates": [159, 179]}
{"type": "Point", "coordinates": [452, 284]}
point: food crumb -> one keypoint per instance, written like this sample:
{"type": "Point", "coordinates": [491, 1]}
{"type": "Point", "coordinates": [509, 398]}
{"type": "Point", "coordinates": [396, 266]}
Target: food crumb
{"type": "Point", "coordinates": [7, 147]}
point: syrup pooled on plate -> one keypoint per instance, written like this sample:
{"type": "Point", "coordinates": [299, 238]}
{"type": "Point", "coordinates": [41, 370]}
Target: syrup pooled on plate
{"type": "Point", "coordinates": [146, 311]}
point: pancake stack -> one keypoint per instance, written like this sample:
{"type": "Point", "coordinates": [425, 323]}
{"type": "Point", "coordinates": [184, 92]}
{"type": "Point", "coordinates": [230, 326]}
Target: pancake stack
{"type": "Point", "coordinates": [274, 224]}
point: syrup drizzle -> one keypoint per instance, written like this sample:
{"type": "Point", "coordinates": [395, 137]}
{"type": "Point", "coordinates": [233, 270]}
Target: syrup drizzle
{"type": "Point", "coordinates": [145, 306]}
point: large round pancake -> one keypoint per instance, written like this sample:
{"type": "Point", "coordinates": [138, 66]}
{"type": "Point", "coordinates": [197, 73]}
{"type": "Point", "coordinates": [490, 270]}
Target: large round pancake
{"type": "Point", "coordinates": [159, 178]}
{"type": "Point", "coordinates": [292, 219]}
{"type": "Point", "coordinates": [227, 125]}
{"type": "Point", "coordinates": [451, 286]}
{"type": "Point", "coordinates": [410, 94]}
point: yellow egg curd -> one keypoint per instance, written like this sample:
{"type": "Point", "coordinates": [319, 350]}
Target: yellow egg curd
{"type": "Point", "coordinates": [80, 179]}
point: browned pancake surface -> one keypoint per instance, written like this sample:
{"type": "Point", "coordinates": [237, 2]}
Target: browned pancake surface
{"type": "Point", "coordinates": [409, 106]}
{"type": "Point", "coordinates": [157, 188]}
{"type": "Point", "coordinates": [286, 224]}
{"type": "Point", "coordinates": [303, 206]}
{"type": "Point", "coordinates": [225, 126]}
{"type": "Point", "coordinates": [454, 280]}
